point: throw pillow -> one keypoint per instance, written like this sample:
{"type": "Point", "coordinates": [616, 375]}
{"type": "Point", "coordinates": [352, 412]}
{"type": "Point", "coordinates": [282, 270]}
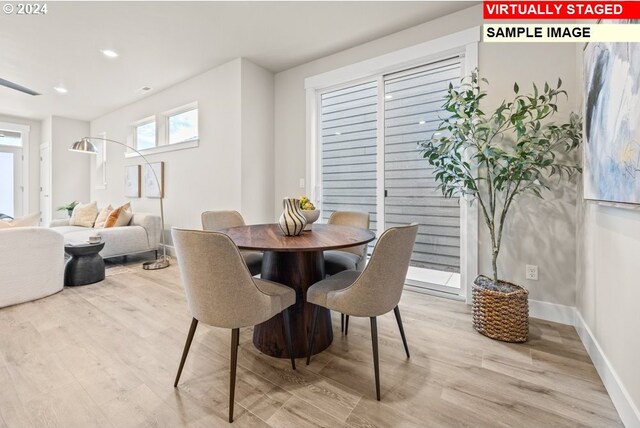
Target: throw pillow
{"type": "Point", "coordinates": [26, 221]}
{"type": "Point", "coordinates": [121, 216]}
{"type": "Point", "coordinates": [84, 215]}
{"type": "Point", "coordinates": [102, 217]}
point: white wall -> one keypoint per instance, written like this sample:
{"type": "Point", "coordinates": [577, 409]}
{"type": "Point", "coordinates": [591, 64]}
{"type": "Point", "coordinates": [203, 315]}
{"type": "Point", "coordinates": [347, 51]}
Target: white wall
{"type": "Point", "coordinates": [69, 170]}
{"type": "Point", "coordinates": [216, 174]}
{"type": "Point", "coordinates": [257, 143]}
{"type": "Point", "coordinates": [33, 148]}
{"type": "Point", "coordinates": [544, 238]}
{"type": "Point", "coordinates": [540, 232]}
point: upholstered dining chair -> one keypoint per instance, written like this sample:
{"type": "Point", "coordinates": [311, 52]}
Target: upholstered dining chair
{"type": "Point", "coordinates": [370, 293]}
{"type": "Point", "coordinates": [352, 258]}
{"type": "Point", "coordinates": [222, 293]}
{"type": "Point", "coordinates": [218, 220]}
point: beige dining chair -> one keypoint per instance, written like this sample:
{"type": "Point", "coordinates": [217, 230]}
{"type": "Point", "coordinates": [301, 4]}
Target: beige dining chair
{"type": "Point", "coordinates": [218, 220]}
{"type": "Point", "coordinates": [370, 293]}
{"type": "Point", "coordinates": [352, 258]}
{"type": "Point", "coordinates": [222, 293]}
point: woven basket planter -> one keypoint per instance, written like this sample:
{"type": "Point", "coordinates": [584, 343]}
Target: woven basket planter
{"type": "Point", "coordinates": [500, 311]}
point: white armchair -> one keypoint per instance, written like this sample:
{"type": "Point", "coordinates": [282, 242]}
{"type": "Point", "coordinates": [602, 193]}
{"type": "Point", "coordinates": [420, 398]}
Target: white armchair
{"type": "Point", "coordinates": [31, 264]}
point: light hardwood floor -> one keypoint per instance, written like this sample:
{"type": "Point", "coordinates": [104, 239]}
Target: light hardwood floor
{"type": "Point", "coordinates": [105, 355]}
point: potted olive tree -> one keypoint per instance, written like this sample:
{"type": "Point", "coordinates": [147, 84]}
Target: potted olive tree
{"type": "Point", "coordinates": [492, 158]}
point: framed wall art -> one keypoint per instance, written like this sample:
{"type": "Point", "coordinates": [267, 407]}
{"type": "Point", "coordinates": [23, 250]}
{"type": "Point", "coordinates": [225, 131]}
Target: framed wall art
{"type": "Point", "coordinates": [151, 189]}
{"type": "Point", "coordinates": [132, 181]}
{"type": "Point", "coordinates": [612, 122]}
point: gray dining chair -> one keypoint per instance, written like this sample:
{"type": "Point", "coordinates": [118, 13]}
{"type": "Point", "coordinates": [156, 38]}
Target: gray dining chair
{"type": "Point", "coordinates": [370, 293]}
{"type": "Point", "coordinates": [218, 220]}
{"type": "Point", "coordinates": [222, 293]}
{"type": "Point", "coordinates": [352, 258]}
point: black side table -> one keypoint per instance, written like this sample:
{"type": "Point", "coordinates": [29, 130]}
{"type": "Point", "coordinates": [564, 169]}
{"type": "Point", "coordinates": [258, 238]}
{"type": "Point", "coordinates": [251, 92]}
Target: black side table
{"type": "Point", "coordinates": [85, 265]}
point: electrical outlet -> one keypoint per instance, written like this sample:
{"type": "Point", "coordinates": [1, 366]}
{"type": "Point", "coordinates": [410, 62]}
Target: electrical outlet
{"type": "Point", "coordinates": [301, 183]}
{"type": "Point", "coordinates": [531, 272]}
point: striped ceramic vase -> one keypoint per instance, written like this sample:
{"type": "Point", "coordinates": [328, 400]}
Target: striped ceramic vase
{"type": "Point", "coordinates": [292, 221]}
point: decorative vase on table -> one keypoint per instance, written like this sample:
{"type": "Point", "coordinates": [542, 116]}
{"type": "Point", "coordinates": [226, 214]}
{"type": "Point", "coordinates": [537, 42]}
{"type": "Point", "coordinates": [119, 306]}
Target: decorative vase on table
{"type": "Point", "coordinates": [311, 216]}
{"type": "Point", "coordinates": [292, 221]}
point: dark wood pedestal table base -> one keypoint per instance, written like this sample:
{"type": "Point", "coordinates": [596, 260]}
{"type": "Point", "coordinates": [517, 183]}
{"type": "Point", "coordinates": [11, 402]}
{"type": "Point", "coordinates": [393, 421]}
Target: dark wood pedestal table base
{"type": "Point", "coordinates": [296, 261]}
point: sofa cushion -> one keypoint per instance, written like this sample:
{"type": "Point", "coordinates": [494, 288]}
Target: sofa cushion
{"type": "Point", "coordinates": [30, 220]}
{"type": "Point", "coordinates": [121, 216]}
{"type": "Point", "coordinates": [64, 230]}
{"type": "Point", "coordinates": [84, 214]}
{"type": "Point", "coordinates": [102, 217]}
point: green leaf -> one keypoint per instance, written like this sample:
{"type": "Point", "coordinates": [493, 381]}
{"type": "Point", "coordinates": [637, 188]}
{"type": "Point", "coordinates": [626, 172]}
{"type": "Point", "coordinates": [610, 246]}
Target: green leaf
{"type": "Point", "coordinates": [516, 88]}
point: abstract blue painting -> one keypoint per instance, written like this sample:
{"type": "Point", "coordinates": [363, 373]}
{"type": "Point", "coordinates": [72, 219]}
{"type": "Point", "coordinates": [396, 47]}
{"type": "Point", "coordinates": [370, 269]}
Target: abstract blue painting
{"type": "Point", "coordinates": [612, 122]}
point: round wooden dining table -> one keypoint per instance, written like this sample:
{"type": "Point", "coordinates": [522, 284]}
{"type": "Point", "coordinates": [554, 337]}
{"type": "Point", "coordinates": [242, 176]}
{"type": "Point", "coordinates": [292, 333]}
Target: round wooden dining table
{"type": "Point", "coordinates": [298, 262]}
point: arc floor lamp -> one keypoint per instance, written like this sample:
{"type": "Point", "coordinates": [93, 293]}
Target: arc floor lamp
{"type": "Point", "coordinates": [86, 146]}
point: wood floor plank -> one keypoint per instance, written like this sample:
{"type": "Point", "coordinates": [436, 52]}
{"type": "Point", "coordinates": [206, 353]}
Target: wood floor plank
{"type": "Point", "coordinates": [106, 355]}
{"type": "Point", "coordinates": [326, 394]}
{"type": "Point", "coordinates": [66, 407]}
{"type": "Point", "coordinates": [297, 413]}
{"type": "Point", "coordinates": [12, 410]}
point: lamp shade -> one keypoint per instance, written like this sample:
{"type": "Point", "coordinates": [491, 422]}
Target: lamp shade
{"type": "Point", "coordinates": [84, 146]}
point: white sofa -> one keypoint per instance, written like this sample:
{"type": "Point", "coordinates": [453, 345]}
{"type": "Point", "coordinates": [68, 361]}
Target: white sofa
{"type": "Point", "coordinates": [141, 235]}
{"type": "Point", "coordinates": [31, 264]}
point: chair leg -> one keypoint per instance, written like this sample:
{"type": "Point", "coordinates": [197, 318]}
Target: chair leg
{"type": "Point", "coordinates": [342, 323]}
{"type": "Point", "coordinates": [287, 336]}
{"type": "Point", "coordinates": [187, 345]}
{"type": "Point", "coordinates": [346, 325]}
{"type": "Point", "coordinates": [396, 311]}
{"type": "Point", "coordinates": [376, 365]}
{"type": "Point", "coordinates": [316, 311]}
{"type": "Point", "coordinates": [235, 339]}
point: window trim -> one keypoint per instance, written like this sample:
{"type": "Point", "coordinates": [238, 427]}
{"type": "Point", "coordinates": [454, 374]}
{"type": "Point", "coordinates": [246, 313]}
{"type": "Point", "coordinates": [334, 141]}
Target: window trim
{"type": "Point", "coordinates": [463, 43]}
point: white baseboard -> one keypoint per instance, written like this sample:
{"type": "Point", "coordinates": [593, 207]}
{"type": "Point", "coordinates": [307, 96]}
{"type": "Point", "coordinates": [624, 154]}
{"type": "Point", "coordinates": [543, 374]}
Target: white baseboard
{"type": "Point", "coordinates": [552, 312]}
{"type": "Point", "coordinates": [171, 250]}
{"type": "Point", "coordinates": [621, 400]}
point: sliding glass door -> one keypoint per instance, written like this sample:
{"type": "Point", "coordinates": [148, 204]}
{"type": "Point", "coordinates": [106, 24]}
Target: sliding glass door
{"type": "Point", "coordinates": [370, 161]}
{"type": "Point", "coordinates": [412, 112]}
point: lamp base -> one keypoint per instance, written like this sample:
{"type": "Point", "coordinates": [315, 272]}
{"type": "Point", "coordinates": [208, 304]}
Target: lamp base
{"type": "Point", "coordinates": [156, 264]}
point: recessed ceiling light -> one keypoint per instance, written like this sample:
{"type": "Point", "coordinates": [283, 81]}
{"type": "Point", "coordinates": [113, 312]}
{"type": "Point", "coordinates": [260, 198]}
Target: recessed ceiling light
{"type": "Point", "coordinates": [110, 53]}
{"type": "Point", "coordinates": [337, 133]}
{"type": "Point", "coordinates": [388, 96]}
{"type": "Point", "coordinates": [61, 90]}
{"type": "Point", "coordinates": [422, 122]}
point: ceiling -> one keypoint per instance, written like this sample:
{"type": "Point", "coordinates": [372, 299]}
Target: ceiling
{"type": "Point", "coordinates": [163, 43]}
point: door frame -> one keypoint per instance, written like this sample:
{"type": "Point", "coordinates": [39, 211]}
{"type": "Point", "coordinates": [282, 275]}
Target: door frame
{"type": "Point", "coordinates": [463, 43]}
{"type": "Point", "coordinates": [24, 132]}
{"type": "Point", "coordinates": [49, 212]}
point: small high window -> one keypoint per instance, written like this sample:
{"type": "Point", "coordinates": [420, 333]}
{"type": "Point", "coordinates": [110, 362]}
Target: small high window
{"type": "Point", "coordinates": [145, 135]}
{"type": "Point", "coordinates": [183, 126]}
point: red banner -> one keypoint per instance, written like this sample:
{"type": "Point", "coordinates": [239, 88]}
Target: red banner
{"type": "Point", "coordinates": [545, 10]}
